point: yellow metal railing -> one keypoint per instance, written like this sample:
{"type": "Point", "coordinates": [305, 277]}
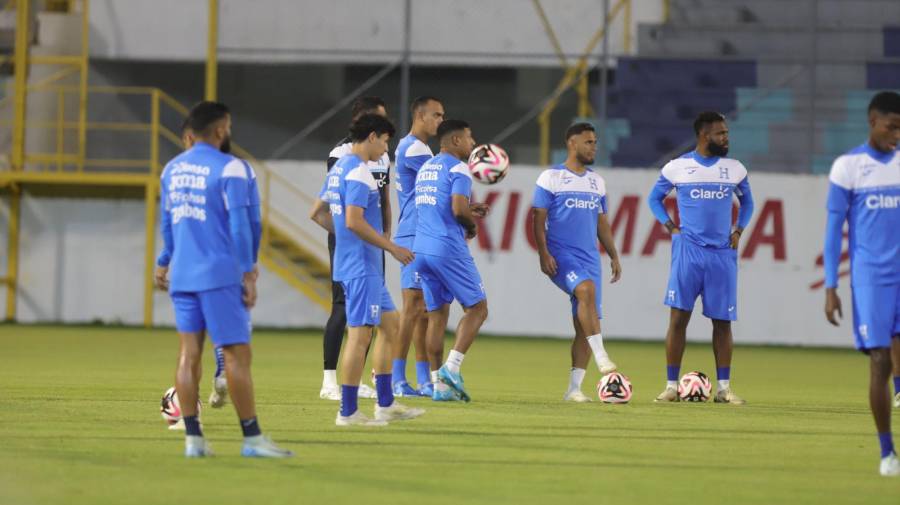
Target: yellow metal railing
{"type": "Point", "coordinates": [578, 72]}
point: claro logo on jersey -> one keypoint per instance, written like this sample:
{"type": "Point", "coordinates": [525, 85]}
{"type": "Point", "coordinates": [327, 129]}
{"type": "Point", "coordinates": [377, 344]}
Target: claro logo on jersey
{"type": "Point", "coordinates": [876, 202]}
{"type": "Point", "coordinates": [708, 194]}
{"type": "Point", "coordinates": [577, 203]}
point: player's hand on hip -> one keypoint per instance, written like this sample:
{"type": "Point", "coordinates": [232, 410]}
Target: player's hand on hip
{"type": "Point", "coordinates": [255, 272]}
{"type": "Point", "coordinates": [479, 209]}
{"type": "Point", "coordinates": [616, 268]}
{"type": "Point", "coordinates": [548, 264]}
{"type": "Point", "coordinates": [248, 289]}
{"type": "Point", "coordinates": [832, 305]}
{"type": "Point", "coordinates": [735, 238]}
{"type": "Point", "coordinates": [472, 232]}
{"type": "Point", "coordinates": [402, 254]}
{"type": "Point", "coordinates": [161, 278]}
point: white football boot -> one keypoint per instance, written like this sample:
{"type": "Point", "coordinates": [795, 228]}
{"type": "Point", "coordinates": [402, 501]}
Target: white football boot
{"type": "Point", "coordinates": [330, 392]}
{"type": "Point", "coordinates": [890, 466]}
{"type": "Point", "coordinates": [357, 419]}
{"type": "Point", "coordinates": [366, 391]}
{"type": "Point", "coordinates": [396, 412]}
{"type": "Point", "coordinates": [575, 395]}
{"type": "Point", "coordinates": [196, 447]}
{"type": "Point", "coordinates": [668, 395]}
{"type": "Point", "coordinates": [728, 396]}
{"type": "Point", "coordinates": [219, 395]}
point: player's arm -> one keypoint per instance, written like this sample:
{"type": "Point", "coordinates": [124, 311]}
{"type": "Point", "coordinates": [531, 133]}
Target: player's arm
{"type": "Point", "coordinates": [255, 216]}
{"type": "Point", "coordinates": [322, 216]}
{"type": "Point", "coordinates": [838, 206]}
{"type": "Point", "coordinates": [539, 227]}
{"type": "Point", "coordinates": [386, 216]}
{"type": "Point", "coordinates": [356, 222]}
{"type": "Point", "coordinates": [236, 189]}
{"type": "Point", "coordinates": [605, 235]}
{"type": "Point", "coordinates": [656, 199]}
{"type": "Point", "coordinates": [462, 212]}
{"type": "Point", "coordinates": [745, 212]}
{"type": "Point", "coordinates": [161, 274]}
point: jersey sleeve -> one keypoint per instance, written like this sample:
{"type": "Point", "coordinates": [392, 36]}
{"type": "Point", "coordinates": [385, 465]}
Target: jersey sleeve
{"type": "Point", "coordinates": [416, 156]}
{"type": "Point", "coordinates": [603, 209]}
{"type": "Point", "coordinates": [235, 185]}
{"type": "Point", "coordinates": [359, 183]}
{"type": "Point", "coordinates": [840, 190]}
{"type": "Point", "coordinates": [543, 191]}
{"type": "Point", "coordinates": [461, 180]}
{"type": "Point", "coordinates": [657, 195]}
{"type": "Point", "coordinates": [745, 197]}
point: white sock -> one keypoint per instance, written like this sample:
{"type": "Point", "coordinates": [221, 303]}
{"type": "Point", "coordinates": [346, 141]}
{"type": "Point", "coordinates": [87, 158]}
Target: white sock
{"type": "Point", "coordinates": [672, 385]}
{"type": "Point", "coordinates": [596, 343]}
{"type": "Point", "coordinates": [454, 361]}
{"type": "Point", "coordinates": [329, 378]}
{"type": "Point", "coordinates": [576, 377]}
{"type": "Point", "coordinates": [726, 384]}
{"type": "Point", "coordinates": [434, 379]}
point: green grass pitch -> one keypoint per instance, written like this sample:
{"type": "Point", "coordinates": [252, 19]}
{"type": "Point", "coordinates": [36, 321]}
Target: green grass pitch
{"type": "Point", "coordinates": [79, 424]}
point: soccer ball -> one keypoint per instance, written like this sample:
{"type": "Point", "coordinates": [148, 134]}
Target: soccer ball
{"type": "Point", "coordinates": [170, 408]}
{"type": "Point", "coordinates": [488, 163]}
{"type": "Point", "coordinates": [694, 387]}
{"type": "Point", "coordinates": [614, 388]}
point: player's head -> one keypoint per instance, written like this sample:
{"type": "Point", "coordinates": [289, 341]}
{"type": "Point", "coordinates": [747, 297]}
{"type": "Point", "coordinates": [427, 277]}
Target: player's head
{"type": "Point", "coordinates": [884, 121]}
{"type": "Point", "coordinates": [372, 131]}
{"type": "Point", "coordinates": [367, 105]}
{"type": "Point", "coordinates": [581, 142]}
{"type": "Point", "coordinates": [187, 135]}
{"type": "Point", "coordinates": [427, 115]}
{"type": "Point", "coordinates": [455, 137]}
{"type": "Point", "coordinates": [712, 132]}
{"type": "Point", "coordinates": [210, 122]}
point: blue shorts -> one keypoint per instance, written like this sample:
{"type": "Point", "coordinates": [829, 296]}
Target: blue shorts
{"type": "Point", "coordinates": [366, 298]}
{"type": "Point", "coordinates": [409, 276]}
{"type": "Point", "coordinates": [446, 279]}
{"type": "Point", "coordinates": [708, 273]}
{"type": "Point", "coordinates": [876, 315]}
{"type": "Point", "coordinates": [570, 272]}
{"type": "Point", "coordinates": [220, 311]}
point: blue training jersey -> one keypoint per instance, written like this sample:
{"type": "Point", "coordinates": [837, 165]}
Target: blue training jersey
{"type": "Point", "coordinates": [198, 187]}
{"type": "Point", "coordinates": [705, 190]}
{"type": "Point", "coordinates": [438, 233]}
{"type": "Point", "coordinates": [573, 204]}
{"type": "Point", "coordinates": [865, 189]}
{"type": "Point", "coordinates": [349, 182]}
{"type": "Point", "coordinates": [411, 154]}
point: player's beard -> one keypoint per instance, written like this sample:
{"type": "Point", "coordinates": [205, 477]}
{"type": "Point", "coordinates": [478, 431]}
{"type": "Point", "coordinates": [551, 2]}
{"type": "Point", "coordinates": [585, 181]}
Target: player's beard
{"type": "Point", "coordinates": [584, 160]}
{"type": "Point", "coordinates": [226, 145]}
{"type": "Point", "coordinates": [718, 149]}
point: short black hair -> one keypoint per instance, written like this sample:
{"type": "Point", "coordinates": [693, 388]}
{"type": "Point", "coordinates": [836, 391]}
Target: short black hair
{"type": "Point", "coordinates": [420, 102]}
{"type": "Point", "coordinates": [368, 123]}
{"type": "Point", "coordinates": [885, 102]}
{"type": "Point", "coordinates": [449, 126]}
{"type": "Point", "coordinates": [186, 124]}
{"type": "Point", "coordinates": [707, 118]}
{"type": "Point", "coordinates": [578, 129]}
{"type": "Point", "coordinates": [365, 105]}
{"type": "Point", "coordinates": [205, 114]}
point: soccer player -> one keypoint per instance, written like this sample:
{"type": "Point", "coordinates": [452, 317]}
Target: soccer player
{"type": "Point", "coordinates": [865, 192]}
{"type": "Point", "coordinates": [569, 216]}
{"type": "Point", "coordinates": [205, 222]}
{"type": "Point", "coordinates": [445, 220]}
{"type": "Point", "coordinates": [704, 246]}
{"type": "Point", "coordinates": [412, 152]}
{"type": "Point", "coordinates": [349, 207]}
{"type": "Point", "coordinates": [337, 321]}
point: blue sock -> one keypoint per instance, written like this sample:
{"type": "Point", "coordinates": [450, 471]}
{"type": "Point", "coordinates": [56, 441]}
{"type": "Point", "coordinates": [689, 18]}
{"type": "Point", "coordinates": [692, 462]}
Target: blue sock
{"type": "Point", "coordinates": [672, 372]}
{"type": "Point", "coordinates": [723, 373]}
{"type": "Point", "coordinates": [349, 397]}
{"type": "Point", "coordinates": [383, 388]}
{"type": "Point", "coordinates": [250, 427]}
{"type": "Point", "coordinates": [887, 445]}
{"type": "Point", "coordinates": [398, 372]}
{"type": "Point", "coordinates": [220, 362]}
{"type": "Point", "coordinates": [192, 426]}
{"type": "Point", "coordinates": [423, 373]}
{"type": "Point", "coordinates": [896, 384]}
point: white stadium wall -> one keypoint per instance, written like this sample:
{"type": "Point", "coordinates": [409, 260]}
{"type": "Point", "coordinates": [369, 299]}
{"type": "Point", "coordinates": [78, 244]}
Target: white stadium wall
{"type": "Point", "coordinates": [462, 32]}
{"type": "Point", "coordinates": [82, 260]}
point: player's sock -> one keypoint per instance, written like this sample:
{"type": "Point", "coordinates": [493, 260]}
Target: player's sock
{"type": "Point", "coordinates": [576, 377]}
{"type": "Point", "coordinates": [422, 374]}
{"type": "Point", "coordinates": [348, 400]}
{"type": "Point", "coordinates": [329, 378]}
{"type": "Point", "coordinates": [383, 389]}
{"type": "Point", "coordinates": [897, 384]}
{"type": "Point", "coordinates": [192, 426]}
{"type": "Point", "coordinates": [250, 427]}
{"type": "Point", "coordinates": [723, 375]}
{"type": "Point", "coordinates": [220, 362]}
{"type": "Point", "coordinates": [454, 361]}
{"type": "Point", "coordinates": [434, 378]}
{"type": "Point", "coordinates": [596, 343]}
{"type": "Point", "coordinates": [887, 444]}
{"type": "Point", "coordinates": [398, 372]}
{"type": "Point", "coordinates": [672, 372]}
